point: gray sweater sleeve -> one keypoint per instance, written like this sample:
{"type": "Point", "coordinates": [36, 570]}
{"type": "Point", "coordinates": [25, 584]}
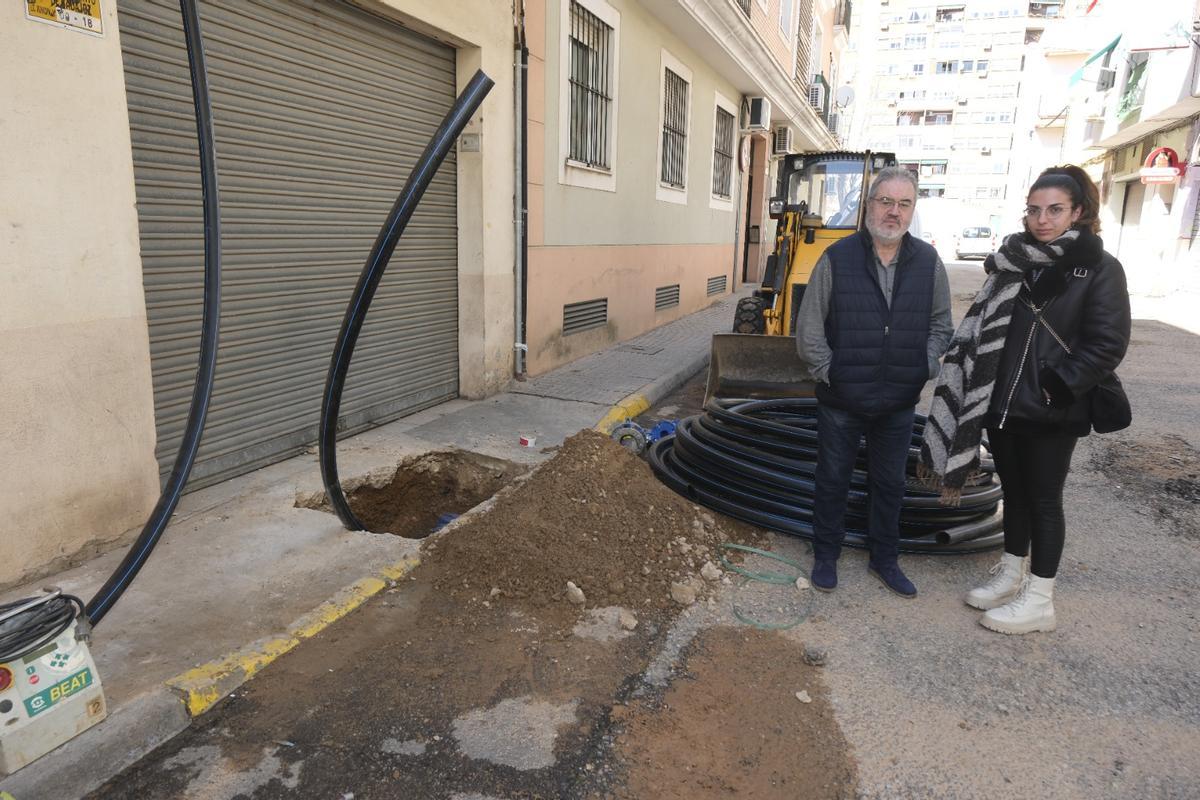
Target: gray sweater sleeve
{"type": "Point", "coordinates": [941, 324]}
{"type": "Point", "coordinates": [810, 323]}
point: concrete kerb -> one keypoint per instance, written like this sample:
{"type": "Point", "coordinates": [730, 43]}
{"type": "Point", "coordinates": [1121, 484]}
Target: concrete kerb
{"type": "Point", "coordinates": [639, 402]}
{"type": "Point", "coordinates": [200, 688]}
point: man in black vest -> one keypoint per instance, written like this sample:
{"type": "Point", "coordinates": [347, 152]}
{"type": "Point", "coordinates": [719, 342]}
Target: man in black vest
{"type": "Point", "coordinates": [873, 324]}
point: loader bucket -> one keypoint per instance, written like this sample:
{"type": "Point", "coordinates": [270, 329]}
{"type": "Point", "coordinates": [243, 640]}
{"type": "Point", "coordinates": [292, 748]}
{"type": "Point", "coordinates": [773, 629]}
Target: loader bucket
{"type": "Point", "coordinates": [753, 367]}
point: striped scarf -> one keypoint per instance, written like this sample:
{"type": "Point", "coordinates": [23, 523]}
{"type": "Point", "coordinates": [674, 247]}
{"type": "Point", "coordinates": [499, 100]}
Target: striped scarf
{"type": "Point", "coordinates": [950, 447]}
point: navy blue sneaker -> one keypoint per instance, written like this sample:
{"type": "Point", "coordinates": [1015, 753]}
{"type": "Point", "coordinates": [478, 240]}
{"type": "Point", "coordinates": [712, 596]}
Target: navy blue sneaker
{"type": "Point", "coordinates": [824, 575]}
{"type": "Point", "coordinates": [891, 577]}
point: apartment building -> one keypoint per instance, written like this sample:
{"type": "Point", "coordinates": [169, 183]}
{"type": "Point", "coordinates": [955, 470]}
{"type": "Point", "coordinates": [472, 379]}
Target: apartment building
{"type": "Point", "coordinates": [654, 130]}
{"type": "Point", "coordinates": [943, 83]}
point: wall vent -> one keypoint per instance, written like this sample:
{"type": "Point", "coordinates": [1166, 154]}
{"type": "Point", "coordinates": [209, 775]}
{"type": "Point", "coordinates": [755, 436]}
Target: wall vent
{"type": "Point", "coordinates": [585, 316]}
{"type": "Point", "coordinates": [666, 297]}
{"type": "Point", "coordinates": [716, 285]}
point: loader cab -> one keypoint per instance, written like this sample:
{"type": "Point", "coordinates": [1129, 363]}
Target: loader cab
{"type": "Point", "coordinates": [827, 189]}
{"type": "Point", "coordinates": [819, 199]}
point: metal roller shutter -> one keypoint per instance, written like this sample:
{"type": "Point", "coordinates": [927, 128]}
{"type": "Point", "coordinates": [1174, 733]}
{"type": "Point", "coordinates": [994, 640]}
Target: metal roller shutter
{"type": "Point", "coordinates": [320, 110]}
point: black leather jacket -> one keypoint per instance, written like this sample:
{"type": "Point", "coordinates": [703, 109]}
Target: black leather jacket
{"type": "Point", "coordinates": [1085, 300]}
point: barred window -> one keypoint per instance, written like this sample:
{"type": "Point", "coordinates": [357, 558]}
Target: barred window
{"type": "Point", "coordinates": [723, 155]}
{"type": "Point", "coordinates": [674, 134]}
{"type": "Point", "coordinates": [591, 88]}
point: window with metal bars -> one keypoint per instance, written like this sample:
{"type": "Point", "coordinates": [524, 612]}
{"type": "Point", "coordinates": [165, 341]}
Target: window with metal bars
{"type": "Point", "coordinates": [674, 133]}
{"type": "Point", "coordinates": [591, 88]}
{"type": "Point", "coordinates": [723, 155]}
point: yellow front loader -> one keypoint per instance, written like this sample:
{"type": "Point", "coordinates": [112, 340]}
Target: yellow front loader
{"type": "Point", "coordinates": [820, 198]}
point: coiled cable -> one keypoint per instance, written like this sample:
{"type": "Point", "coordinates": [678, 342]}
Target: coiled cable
{"type": "Point", "coordinates": [33, 622]}
{"type": "Point", "coordinates": [756, 460]}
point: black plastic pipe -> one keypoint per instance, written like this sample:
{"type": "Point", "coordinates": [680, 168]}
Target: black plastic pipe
{"type": "Point", "coordinates": [756, 460]}
{"type": "Point", "coordinates": [368, 281]}
{"type": "Point", "coordinates": [160, 517]}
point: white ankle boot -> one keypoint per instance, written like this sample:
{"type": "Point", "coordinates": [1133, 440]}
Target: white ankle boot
{"type": "Point", "coordinates": [1004, 585]}
{"type": "Point", "coordinates": [1031, 610]}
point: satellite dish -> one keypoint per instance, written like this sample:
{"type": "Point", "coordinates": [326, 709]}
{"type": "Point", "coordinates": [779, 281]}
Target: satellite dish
{"type": "Point", "coordinates": [844, 96]}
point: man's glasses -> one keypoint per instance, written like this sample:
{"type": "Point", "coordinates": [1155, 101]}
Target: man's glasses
{"type": "Point", "coordinates": [1052, 212]}
{"type": "Point", "coordinates": [888, 203]}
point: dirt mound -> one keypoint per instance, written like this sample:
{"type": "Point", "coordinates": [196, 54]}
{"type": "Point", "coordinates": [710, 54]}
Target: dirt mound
{"type": "Point", "coordinates": [594, 515]}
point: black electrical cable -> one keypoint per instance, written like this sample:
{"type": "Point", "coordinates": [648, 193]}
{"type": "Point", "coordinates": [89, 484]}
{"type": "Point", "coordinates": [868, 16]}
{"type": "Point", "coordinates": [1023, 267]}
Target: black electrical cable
{"type": "Point", "coordinates": [756, 460]}
{"type": "Point", "coordinates": [160, 517]}
{"type": "Point", "coordinates": [422, 173]}
{"type": "Point", "coordinates": [31, 623]}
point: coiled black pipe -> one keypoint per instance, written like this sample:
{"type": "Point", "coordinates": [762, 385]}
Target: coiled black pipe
{"type": "Point", "coordinates": [756, 460]}
{"type": "Point", "coordinates": [368, 281]}
{"type": "Point", "coordinates": [160, 517]}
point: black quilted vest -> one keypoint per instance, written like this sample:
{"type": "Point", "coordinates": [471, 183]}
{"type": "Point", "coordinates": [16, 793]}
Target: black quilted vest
{"type": "Point", "coordinates": [880, 354]}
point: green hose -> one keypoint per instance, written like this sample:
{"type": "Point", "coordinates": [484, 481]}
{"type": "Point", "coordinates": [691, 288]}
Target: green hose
{"type": "Point", "coordinates": [774, 578]}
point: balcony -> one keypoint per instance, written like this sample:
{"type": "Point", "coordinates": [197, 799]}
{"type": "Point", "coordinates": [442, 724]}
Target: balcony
{"type": "Point", "coordinates": [841, 15]}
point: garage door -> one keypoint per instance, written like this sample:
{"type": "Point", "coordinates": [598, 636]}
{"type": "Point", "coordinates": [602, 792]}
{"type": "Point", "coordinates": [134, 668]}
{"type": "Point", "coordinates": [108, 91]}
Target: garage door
{"type": "Point", "coordinates": [320, 111]}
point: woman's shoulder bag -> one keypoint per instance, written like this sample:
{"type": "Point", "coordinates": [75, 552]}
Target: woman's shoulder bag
{"type": "Point", "coordinates": [1108, 405]}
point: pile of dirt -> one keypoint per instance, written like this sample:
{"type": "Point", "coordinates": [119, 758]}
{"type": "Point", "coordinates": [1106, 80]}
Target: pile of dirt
{"type": "Point", "coordinates": [595, 516]}
{"type": "Point", "coordinates": [1162, 473]}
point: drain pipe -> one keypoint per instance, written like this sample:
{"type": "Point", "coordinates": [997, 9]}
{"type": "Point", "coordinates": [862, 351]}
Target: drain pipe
{"type": "Point", "coordinates": [521, 189]}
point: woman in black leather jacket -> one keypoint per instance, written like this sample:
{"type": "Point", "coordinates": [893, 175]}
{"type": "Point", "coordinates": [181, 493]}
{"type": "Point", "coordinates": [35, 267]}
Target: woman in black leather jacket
{"type": "Point", "coordinates": [1069, 330]}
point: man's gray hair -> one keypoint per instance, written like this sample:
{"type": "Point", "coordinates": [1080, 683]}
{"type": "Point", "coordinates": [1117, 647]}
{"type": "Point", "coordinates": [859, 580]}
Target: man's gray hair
{"type": "Point", "coordinates": [892, 174]}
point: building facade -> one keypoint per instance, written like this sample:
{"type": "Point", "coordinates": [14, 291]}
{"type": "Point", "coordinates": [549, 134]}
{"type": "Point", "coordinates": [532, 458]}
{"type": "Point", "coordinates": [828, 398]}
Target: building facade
{"type": "Point", "coordinates": [320, 109]}
{"type": "Point", "coordinates": [651, 154]}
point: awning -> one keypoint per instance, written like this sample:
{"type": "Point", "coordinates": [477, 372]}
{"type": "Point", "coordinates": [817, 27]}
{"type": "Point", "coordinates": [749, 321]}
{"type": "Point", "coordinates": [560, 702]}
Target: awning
{"type": "Point", "coordinates": [1077, 75]}
{"type": "Point", "coordinates": [1167, 118]}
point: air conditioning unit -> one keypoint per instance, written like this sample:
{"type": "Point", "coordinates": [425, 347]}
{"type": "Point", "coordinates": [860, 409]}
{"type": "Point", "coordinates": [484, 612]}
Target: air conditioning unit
{"type": "Point", "coordinates": [832, 123]}
{"type": "Point", "coordinates": [816, 96]}
{"type": "Point", "coordinates": [985, 151]}
{"type": "Point", "coordinates": [781, 141]}
{"type": "Point", "coordinates": [760, 114]}
{"type": "Point", "coordinates": [1106, 79]}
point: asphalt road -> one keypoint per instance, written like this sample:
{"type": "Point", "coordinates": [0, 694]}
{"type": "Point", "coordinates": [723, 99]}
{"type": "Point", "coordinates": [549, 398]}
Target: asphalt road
{"type": "Point", "coordinates": [930, 704]}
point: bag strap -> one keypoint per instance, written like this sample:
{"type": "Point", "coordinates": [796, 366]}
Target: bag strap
{"type": "Point", "coordinates": [1037, 315]}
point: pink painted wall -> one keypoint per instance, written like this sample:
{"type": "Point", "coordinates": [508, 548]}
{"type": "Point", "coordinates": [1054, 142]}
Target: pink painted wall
{"type": "Point", "coordinates": [627, 275]}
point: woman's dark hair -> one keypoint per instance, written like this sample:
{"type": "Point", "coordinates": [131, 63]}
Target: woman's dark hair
{"type": "Point", "coordinates": [1082, 189]}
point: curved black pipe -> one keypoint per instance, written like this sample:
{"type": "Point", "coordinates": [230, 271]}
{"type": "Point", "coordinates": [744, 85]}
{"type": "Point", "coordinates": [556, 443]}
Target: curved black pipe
{"type": "Point", "coordinates": [160, 517]}
{"type": "Point", "coordinates": [368, 281]}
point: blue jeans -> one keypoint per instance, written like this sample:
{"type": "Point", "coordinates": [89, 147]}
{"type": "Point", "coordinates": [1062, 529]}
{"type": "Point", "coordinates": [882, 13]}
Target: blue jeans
{"type": "Point", "coordinates": [888, 438]}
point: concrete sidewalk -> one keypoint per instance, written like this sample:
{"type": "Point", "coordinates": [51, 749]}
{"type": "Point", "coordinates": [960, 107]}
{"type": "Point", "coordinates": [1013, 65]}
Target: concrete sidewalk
{"type": "Point", "coordinates": [242, 575]}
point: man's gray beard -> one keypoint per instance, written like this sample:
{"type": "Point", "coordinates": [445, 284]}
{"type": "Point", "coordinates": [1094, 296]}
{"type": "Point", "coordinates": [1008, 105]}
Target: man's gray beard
{"type": "Point", "coordinates": [878, 235]}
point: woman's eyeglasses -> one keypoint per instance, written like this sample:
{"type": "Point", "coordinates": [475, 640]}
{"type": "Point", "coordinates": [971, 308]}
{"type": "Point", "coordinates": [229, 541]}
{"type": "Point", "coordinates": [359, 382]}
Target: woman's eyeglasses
{"type": "Point", "coordinates": [1052, 212]}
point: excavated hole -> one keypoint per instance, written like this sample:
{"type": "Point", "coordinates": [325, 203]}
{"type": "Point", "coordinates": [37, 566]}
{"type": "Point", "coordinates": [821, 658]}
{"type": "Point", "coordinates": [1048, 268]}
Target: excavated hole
{"type": "Point", "coordinates": [424, 492]}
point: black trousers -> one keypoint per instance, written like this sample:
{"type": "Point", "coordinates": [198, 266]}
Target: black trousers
{"type": "Point", "coordinates": [1033, 469]}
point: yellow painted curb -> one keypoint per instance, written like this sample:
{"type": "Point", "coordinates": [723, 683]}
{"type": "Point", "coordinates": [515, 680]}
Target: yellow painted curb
{"type": "Point", "coordinates": [628, 408]}
{"type": "Point", "coordinates": [203, 686]}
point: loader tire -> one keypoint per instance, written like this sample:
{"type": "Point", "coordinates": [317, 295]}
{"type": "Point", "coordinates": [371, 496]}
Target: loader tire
{"type": "Point", "coordinates": [749, 317]}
